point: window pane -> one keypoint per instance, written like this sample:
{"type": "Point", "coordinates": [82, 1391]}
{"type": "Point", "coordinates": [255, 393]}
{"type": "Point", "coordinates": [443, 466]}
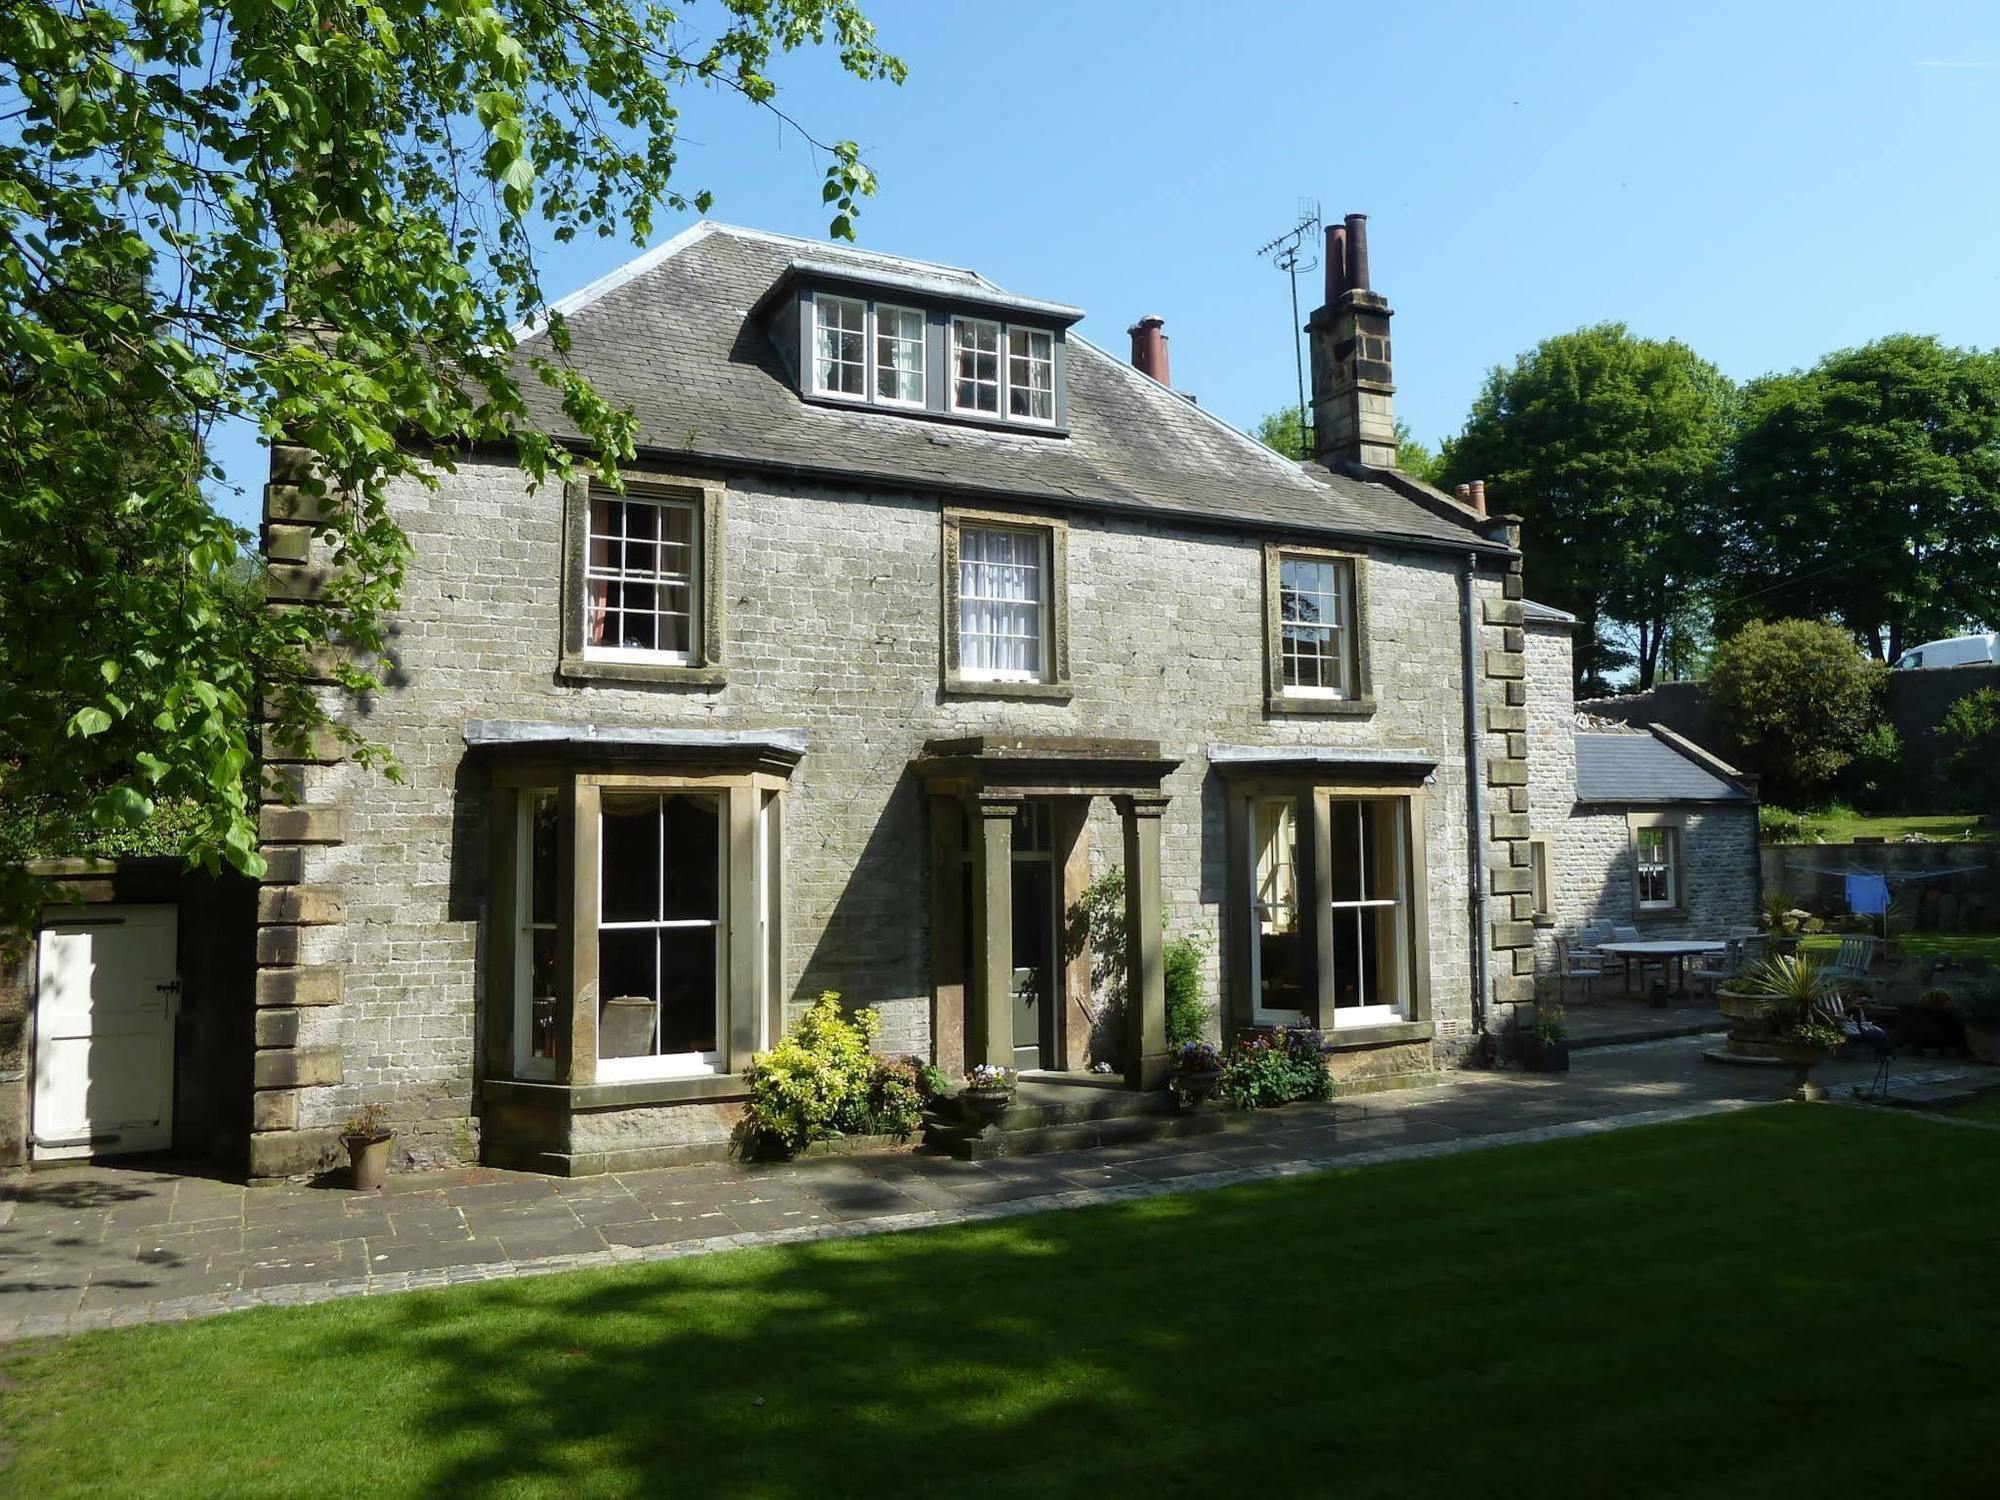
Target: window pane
{"type": "Point", "coordinates": [544, 829]}
{"type": "Point", "coordinates": [840, 353]}
{"type": "Point", "coordinates": [545, 949]}
{"type": "Point", "coordinates": [692, 827]}
{"type": "Point", "coordinates": [1344, 879]}
{"type": "Point", "coordinates": [1316, 636]}
{"type": "Point", "coordinates": [976, 359]}
{"type": "Point", "coordinates": [1281, 951]}
{"type": "Point", "coordinates": [1031, 375]}
{"type": "Point", "coordinates": [639, 567]}
{"type": "Point", "coordinates": [1000, 601]}
{"type": "Point", "coordinates": [899, 354]}
{"type": "Point", "coordinates": [629, 890]}
{"type": "Point", "coordinates": [1368, 890]}
{"type": "Point", "coordinates": [628, 990]}
{"type": "Point", "coordinates": [687, 980]}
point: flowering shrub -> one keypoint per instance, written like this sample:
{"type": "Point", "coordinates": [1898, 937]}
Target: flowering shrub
{"type": "Point", "coordinates": [1264, 1068]}
{"type": "Point", "coordinates": [816, 1082]}
{"type": "Point", "coordinates": [894, 1101]}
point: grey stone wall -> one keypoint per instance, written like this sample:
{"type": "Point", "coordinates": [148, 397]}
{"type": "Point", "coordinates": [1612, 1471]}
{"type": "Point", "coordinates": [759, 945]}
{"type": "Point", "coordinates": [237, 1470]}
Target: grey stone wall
{"type": "Point", "coordinates": [833, 600]}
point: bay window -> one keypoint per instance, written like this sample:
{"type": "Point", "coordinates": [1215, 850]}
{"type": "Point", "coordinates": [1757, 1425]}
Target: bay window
{"type": "Point", "coordinates": [659, 934]}
{"type": "Point", "coordinates": [1326, 889]}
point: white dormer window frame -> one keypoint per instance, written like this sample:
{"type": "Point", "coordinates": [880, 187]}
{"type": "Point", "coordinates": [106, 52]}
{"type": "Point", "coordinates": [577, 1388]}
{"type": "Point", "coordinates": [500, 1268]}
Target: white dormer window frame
{"type": "Point", "coordinates": [827, 308]}
{"type": "Point", "coordinates": [888, 326]}
{"type": "Point", "coordinates": [955, 376]}
{"type": "Point", "coordinates": [1036, 352]}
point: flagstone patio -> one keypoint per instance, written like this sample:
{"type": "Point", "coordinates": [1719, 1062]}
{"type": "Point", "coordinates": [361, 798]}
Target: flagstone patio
{"type": "Point", "coordinates": [100, 1246]}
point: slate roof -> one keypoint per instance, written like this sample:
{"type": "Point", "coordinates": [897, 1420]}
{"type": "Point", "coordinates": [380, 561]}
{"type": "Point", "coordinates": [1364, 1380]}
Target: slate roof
{"type": "Point", "coordinates": [1645, 768]}
{"type": "Point", "coordinates": [671, 336]}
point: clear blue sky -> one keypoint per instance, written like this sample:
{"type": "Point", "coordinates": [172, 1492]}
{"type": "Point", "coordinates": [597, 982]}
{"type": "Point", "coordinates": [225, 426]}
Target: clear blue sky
{"type": "Point", "coordinates": [1764, 181]}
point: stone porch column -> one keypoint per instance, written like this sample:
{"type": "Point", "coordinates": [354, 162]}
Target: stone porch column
{"type": "Point", "coordinates": [1146, 1062]}
{"type": "Point", "coordinates": [990, 961]}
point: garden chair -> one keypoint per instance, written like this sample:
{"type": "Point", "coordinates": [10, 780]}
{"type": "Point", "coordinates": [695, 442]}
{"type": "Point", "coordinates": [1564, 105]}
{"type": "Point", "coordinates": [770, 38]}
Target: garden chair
{"type": "Point", "coordinates": [1851, 963]}
{"type": "Point", "coordinates": [1588, 937]}
{"type": "Point", "coordinates": [1574, 963]}
{"type": "Point", "coordinates": [1713, 968]}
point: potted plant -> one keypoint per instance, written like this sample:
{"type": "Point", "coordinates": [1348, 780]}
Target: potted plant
{"type": "Point", "coordinates": [1794, 1002]}
{"type": "Point", "coordinates": [1545, 1047]}
{"type": "Point", "coordinates": [989, 1090]}
{"type": "Point", "coordinates": [1776, 913]}
{"type": "Point", "coordinates": [1197, 1071]}
{"type": "Point", "coordinates": [366, 1136]}
{"type": "Point", "coordinates": [1979, 1011]}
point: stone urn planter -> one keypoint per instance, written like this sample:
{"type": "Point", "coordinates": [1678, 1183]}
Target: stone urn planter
{"type": "Point", "coordinates": [985, 1106]}
{"type": "Point", "coordinates": [1802, 1060]}
{"type": "Point", "coordinates": [1753, 1031]}
{"type": "Point", "coordinates": [1197, 1073]}
{"type": "Point", "coordinates": [366, 1137]}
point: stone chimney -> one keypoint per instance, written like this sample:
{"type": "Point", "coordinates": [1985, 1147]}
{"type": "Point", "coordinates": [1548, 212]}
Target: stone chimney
{"type": "Point", "coordinates": [1149, 347]}
{"type": "Point", "coordinates": [1353, 393]}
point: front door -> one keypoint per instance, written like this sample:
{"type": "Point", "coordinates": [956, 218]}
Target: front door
{"type": "Point", "coordinates": [105, 997]}
{"type": "Point", "coordinates": [1034, 966]}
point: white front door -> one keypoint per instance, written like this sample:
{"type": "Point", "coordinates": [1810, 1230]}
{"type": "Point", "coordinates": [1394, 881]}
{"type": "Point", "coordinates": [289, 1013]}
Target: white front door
{"type": "Point", "coordinates": [105, 998]}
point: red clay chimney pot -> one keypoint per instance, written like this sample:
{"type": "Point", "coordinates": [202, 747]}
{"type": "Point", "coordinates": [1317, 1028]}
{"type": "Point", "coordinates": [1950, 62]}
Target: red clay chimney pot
{"type": "Point", "coordinates": [1149, 347]}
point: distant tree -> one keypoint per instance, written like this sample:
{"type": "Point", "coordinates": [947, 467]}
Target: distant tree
{"type": "Point", "coordinates": [1280, 430]}
{"type": "Point", "coordinates": [1867, 489]}
{"type": "Point", "coordinates": [1610, 448]}
{"type": "Point", "coordinates": [1971, 726]}
{"type": "Point", "coordinates": [1798, 697]}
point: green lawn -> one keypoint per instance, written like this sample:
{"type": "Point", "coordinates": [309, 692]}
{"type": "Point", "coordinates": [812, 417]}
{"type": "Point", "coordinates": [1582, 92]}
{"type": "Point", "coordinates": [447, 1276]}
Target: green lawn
{"type": "Point", "coordinates": [1985, 1106]}
{"type": "Point", "coordinates": [1843, 827]}
{"type": "Point", "coordinates": [1929, 944]}
{"type": "Point", "coordinates": [1784, 1301]}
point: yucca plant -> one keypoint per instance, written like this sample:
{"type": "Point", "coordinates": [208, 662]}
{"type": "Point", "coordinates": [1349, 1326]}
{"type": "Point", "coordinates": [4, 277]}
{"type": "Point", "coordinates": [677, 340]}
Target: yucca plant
{"type": "Point", "coordinates": [1804, 1003]}
{"type": "Point", "coordinates": [1773, 906]}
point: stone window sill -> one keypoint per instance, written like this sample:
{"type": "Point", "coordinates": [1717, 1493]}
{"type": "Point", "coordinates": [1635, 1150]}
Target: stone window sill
{"type": "Point", "coordinates": [583, 669]}
{"type": "Point", "coordinates": [1321, 708]}
{"type": "Point", "coordinates": [1662, 914]}
{"type": "Point", "coordinates": [1343, 1038]}
{"type": "Point", "coordinates": [972, 687]}
{"type": "Point", "coordinates": [713, 1087]}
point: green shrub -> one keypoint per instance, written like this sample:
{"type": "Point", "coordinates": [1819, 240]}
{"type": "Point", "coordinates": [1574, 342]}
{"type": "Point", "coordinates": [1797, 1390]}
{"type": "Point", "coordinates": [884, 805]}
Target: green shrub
{"type": "Point", "coordinates": [894, 1102]}
{"type": "Point", "coordinates": [1877, 778]}
{"type": "Point", "coordinates": [816, 1082]}
{"type": "Point", "coordinates": [1780, 825]}
{"type": "Point", "coordinates": [1261, 1069]}
{"type": "Point", "coordinates": [1798, 696]}
{"type": "Point", "coordinates": [1187, 1012]}
{"type": "Point", "coordinates": [1971, 727]}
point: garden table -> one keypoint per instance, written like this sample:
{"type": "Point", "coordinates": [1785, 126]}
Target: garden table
{"type": "Point", "coordinates": [1674, 950]}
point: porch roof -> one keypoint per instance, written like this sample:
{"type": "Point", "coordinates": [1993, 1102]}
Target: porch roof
{"type": "Point", "coordinates": [1044, 766]}
{"type": "Point", "coordinates": [765, 749]}
{"type": "Point", "coordinates": [1321, 760]}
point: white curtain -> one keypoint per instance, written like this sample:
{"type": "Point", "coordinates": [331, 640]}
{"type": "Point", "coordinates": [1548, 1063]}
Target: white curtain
{"type": "Point", "coordinates": [1000, 602]}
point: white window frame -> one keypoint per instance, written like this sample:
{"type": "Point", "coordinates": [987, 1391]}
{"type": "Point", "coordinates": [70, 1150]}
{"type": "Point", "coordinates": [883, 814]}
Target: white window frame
{"type": "Point", "coordinates": [1347, 651]}
{"type": "Point", "coordinates": [1376, 1014]}
{"type": "Point", "coordinates": [1261, 1014]}
{"type": "Point", "coordinates": [875, 336]}
{"type": "Point", "coordinates": [592, 573]}
{"type": "Point", "coordinates": [1044, 567]}
{"type": "Point", "coordinates": [526, 1064]}
{"type": "Point", "coordinates": [1669, 862]}
{"type": "Point", "coordinates": [1007, 374]}
{"type": "Point", "coordinates": [999, 411]}
{"type": "Point", "coordinates": [822, 302]}
{"type": "Point", "coordinates": [675, 1064]}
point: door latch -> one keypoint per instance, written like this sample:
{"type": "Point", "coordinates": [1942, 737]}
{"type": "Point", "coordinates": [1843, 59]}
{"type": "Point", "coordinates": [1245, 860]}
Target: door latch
{"type": "Point", "coordinates": [171, 987]}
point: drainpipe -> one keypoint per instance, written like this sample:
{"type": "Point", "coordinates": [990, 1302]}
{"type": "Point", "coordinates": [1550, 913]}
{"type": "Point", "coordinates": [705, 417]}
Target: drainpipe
{"type": "Point", "coordinates": [1475, 791]}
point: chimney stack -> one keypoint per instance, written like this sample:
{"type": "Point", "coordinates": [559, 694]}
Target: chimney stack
{"type": "Point", "coordinates": [1353, 389]}
{"type": "Point", "coordinates": [1149, 347]}
{"type": "Point", "coordinates": [1473, 495]}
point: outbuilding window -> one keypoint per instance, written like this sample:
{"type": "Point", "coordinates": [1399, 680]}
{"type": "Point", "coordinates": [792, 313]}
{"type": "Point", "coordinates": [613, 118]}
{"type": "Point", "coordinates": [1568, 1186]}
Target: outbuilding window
{"type": "Point", "coordinates": [1658, 875]}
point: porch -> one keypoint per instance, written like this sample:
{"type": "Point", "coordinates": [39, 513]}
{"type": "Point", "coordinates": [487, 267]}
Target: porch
{"type": "Point", "coordinates": [1010, 979]}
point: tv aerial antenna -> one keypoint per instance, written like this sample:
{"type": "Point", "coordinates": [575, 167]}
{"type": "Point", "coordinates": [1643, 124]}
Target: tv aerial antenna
{"type": "Point", "coordinates": [1293, 252]}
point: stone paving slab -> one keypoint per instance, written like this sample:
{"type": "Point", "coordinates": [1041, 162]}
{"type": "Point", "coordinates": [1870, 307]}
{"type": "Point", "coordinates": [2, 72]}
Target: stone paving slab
{"type": "Point", "coordinates": [96, 1247]}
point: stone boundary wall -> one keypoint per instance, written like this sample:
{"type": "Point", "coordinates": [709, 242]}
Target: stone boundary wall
{"type": "Point", "coordinates": [1960, 891]}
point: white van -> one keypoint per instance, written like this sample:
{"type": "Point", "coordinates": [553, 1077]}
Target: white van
{"type": "Point", "coordinates": [1959, 651]}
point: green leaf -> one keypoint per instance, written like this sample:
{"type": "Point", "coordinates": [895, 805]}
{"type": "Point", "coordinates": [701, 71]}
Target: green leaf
{"type": "Point", "coordinates": [88, 721]}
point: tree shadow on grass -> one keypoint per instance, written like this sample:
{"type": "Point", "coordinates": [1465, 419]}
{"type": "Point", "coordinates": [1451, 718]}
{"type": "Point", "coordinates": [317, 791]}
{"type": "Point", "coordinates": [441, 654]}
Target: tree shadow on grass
{"type": "Point", "coordinates": [1653, 1311]}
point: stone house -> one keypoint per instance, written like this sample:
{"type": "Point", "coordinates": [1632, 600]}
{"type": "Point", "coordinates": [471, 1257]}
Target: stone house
{"type": "Point", "coordinates": [916, 611]}
{"type": "Point", "coordinates": [1631, 826]}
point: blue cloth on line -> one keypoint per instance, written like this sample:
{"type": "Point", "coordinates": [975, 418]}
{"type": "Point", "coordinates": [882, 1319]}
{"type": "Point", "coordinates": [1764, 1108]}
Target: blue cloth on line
{"type": "Point", "coordinates": [1867, 895]}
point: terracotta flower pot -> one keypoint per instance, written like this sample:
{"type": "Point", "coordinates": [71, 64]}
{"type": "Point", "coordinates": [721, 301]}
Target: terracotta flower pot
{"type": "Point", "coordinates": [368, 1161]}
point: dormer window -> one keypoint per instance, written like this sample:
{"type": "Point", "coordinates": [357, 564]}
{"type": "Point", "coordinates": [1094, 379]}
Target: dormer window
{"type": "Point", "coordinates": [840, 346]}
{"type": "Point", "coordinates": [975, 384]}
{"type": "Point", "coordinates": [927, 348]}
